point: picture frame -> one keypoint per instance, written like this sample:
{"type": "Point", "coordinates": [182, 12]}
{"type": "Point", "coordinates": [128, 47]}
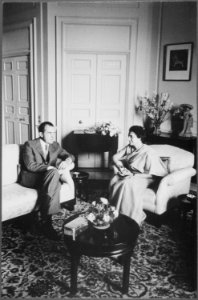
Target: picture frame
{"type": "Point", "coordinates": [177, 62]}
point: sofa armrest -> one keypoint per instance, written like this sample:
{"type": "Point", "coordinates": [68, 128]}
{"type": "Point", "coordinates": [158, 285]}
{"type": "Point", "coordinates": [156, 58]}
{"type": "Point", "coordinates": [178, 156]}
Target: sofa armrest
{"type": "Point", "coordinates": [171, 186]}
{"type": "Point", "coordinates": [71, 166]}
{"type": "Point", "coordinates": [179, 175]}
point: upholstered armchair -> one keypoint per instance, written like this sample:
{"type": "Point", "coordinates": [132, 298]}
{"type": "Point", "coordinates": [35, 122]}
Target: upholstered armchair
{"type": "Point", "coordinates": [180, 165]}
{"type": "Point", "coordinates": [161, 196]}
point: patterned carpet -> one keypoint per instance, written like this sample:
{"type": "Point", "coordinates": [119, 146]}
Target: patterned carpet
{"type": "Point", "coordinates": [163, 265]}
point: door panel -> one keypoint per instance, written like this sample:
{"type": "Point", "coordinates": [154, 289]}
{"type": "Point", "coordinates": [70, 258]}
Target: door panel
{"type": "Point", "coordinates": [10, 131]}
{"type": "Point", "coordinates": [8, 80]}
{"type": "Point", "coordinates": [16, 99]}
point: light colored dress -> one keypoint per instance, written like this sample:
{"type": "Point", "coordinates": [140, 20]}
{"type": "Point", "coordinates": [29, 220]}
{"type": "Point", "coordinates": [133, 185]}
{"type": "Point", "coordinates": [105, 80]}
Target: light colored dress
{"type": "Point", "coordinates": [126, 193]}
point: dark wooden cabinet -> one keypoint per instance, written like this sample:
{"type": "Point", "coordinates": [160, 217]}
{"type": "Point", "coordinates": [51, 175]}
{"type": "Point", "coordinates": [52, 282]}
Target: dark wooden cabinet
{"type": "Point", "coordinates": [186, 143]}
{"type": "Point", "coordinates": [94, 143]}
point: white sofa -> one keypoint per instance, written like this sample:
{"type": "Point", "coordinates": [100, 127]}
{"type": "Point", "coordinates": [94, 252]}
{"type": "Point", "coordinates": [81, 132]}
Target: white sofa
{"type": "Point", "coordinates": [180, 165]}
{"type": "Point", "coordinates": [16, 199]}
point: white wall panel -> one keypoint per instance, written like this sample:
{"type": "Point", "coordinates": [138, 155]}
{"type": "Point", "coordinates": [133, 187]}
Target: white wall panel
{"type": "Point", "coordinates": [95, 37]}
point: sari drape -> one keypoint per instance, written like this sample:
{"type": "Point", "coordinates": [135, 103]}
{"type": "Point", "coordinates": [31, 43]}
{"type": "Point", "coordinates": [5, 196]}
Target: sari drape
{"type": "Point", "coordinates": [126, 193]}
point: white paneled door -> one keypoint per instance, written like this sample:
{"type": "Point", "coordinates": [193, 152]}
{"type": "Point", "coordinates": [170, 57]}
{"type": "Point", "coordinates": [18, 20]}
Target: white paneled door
{"type": "Point", "coordinates": [94, 90]}
{"type": "Point", "coordinates": [111, 90]}
{"type": "Point", "coordinates": [16, 99]}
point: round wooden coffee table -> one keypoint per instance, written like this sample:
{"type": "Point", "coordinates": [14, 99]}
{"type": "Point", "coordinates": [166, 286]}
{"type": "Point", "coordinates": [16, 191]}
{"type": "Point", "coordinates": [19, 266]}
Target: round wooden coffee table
{"type": "Point", "coordinates": [117, 241]}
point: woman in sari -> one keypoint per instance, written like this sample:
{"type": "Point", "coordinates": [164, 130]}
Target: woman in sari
{"type": "Point", "coordinates": [137, 167]}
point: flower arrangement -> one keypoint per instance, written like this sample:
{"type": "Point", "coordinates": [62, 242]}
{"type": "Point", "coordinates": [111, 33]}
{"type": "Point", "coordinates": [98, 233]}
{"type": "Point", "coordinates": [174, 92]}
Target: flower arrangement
{"type": "Point", "coordinates": [156, 108]}
{"type": "Point", "coordinates": [101, 214]}
{"type": "Point", "coordinates": [107, 128]}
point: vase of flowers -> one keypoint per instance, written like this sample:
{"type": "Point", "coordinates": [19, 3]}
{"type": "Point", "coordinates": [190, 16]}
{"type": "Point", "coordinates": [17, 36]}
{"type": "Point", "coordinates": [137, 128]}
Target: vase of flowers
{"type": "Point", "coordinates": [182, 120]}
{"type": "Point", "coordinates": [157, 130]}
{"type": "Point", "coordinates": [177, 120]}
{"type": "Point", "coordinates": [156, 109]}
{"type": "Point", "coordinates": [107, 128]}
{"type": "Point", "coordinates": [101, 214]}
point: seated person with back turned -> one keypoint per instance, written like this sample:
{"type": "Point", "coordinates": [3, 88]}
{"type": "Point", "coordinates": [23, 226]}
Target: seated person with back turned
{"type": "Point", "coordinates": [137, 166]}
{"type": "Point", "coordinates": [44, 166]}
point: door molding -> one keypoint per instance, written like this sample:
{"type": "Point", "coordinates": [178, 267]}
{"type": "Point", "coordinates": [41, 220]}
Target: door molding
{"type": "Point", "coordinates": [131, 71]}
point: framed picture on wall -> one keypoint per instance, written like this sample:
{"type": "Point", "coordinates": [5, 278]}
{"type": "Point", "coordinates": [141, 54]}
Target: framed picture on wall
{"type": "Point", "coordinates": [177, 62]}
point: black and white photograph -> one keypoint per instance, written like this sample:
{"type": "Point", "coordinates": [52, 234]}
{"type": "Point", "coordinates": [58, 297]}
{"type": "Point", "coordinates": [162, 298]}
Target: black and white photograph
{"type": "Point", "coordinates": [178, 61]}
{"type": "Point", "coordinates": [99, 149]}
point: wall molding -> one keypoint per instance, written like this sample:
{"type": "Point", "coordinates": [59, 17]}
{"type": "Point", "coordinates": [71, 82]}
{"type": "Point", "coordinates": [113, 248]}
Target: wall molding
{"type": "Point", "coordinates": [33, 70]}
{"type": "Point", "coordinates": [159, 48]}
{"type": "Point", "coordinates": [120, 2]}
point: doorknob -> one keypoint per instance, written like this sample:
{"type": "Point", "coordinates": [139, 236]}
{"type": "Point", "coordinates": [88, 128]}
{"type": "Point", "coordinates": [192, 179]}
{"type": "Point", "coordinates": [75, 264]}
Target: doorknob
{"type": "Point", "coordinates": [22, 119]}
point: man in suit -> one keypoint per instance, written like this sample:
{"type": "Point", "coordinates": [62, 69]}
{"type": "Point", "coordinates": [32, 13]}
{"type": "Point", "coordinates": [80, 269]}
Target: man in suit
{"type": "Point", "coordinates": [44, 166]}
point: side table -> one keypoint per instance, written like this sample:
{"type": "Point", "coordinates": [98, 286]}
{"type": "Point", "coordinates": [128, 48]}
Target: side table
{"type": "Point", "coordinates": [80, 180]}
{"type": "Point", "coordinates": [188, 203]}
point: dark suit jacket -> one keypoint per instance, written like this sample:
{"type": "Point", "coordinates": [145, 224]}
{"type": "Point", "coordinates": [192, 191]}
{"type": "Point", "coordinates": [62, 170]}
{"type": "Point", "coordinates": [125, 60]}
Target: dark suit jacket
{"type": "Point", "coordinates": [34, 163]}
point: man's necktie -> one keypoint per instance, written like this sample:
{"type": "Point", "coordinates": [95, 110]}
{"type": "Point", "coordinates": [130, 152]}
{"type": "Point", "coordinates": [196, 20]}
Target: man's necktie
{"type": "Point", "coordinates": [46, 151]}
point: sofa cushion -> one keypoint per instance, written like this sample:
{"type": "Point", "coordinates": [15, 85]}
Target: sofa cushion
{"type": "Point", "coordinates": [178, 158]}
{"type": "Point", "coordinates": [10, 162]}
{"type": "Point", "coordinates": [17, 200]}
